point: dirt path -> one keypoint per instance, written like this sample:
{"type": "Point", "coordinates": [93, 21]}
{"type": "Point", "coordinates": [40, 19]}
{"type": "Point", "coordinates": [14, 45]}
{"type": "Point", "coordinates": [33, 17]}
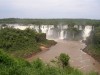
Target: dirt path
{"type": "Point", "coordinates": [79, 59]}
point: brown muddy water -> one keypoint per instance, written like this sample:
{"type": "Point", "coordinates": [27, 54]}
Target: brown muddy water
{"type": "Point", "coordinates": [78, 58]}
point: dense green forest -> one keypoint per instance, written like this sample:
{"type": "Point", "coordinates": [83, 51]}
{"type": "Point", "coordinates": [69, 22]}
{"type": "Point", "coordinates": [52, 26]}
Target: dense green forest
{"type": "Point", "coordinates": [16, 66]}
{"type": "Point", "coordinates": [48, 21]}
{"type": "Point", "coordinates": [22, 42]}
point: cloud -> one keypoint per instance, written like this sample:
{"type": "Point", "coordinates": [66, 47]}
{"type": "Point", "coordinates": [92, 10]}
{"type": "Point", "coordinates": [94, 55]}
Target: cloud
{"type": "Point", "coordinates": [50, 8]}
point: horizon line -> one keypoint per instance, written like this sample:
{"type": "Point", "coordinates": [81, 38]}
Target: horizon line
{"type": "Point", "coordinates": [50, 18]}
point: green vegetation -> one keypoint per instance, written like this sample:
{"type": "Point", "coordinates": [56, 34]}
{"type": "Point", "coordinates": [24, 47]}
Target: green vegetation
{"type": "Point", "coordinates": [22, 43]}
{"type": "Point", "coordinates": [15, 66]}
{"type": "Point", "coordinates": [49, 21]}
{"type": "Point", "coordinates": [63, 58]}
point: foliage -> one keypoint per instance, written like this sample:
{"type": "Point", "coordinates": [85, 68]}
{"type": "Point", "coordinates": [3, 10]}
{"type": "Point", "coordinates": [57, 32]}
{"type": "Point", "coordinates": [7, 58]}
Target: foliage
{"type": "Point", "coordinates": [40, 37]}
{"type": "Point", "coordinates": [96, 36]}
{"type": "Point", "coordinates": [14, 39]}
{"type": "Point", "coordinates": [64, 59]}
{"type": "Point", "coordinates": [37, 67]}
{"type": "Point", "coordinates": [95, 39]}
{"type": "Point", "coordinates": [4, 59]}
{"type": "Point", "coordinates": [49, 21]}
{"type": "Point", "coordinates": [21, 42]}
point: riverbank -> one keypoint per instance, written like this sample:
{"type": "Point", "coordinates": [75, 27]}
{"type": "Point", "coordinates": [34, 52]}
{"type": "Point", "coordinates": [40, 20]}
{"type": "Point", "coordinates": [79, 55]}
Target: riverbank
{"type": "Point", "coordinates": [90, 51]}
{"type": "Point", "coordinates": [43, 46]}
{"type": "Point", "coordinates": [93, 44]}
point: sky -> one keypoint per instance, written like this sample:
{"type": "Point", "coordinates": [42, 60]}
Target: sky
{"type": "Point", "coordinates": [88, 9]}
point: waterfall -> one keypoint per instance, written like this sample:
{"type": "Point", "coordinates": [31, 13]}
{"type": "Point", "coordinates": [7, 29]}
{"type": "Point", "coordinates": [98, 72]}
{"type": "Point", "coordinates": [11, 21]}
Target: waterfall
{"type": "Point", "coordinates": [62, 34]}
{"type": "Point", "coordinates": [86, 32]}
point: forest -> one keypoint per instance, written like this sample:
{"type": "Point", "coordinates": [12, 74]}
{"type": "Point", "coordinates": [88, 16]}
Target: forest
{"type": "Point", "coordinates": [49, 21]}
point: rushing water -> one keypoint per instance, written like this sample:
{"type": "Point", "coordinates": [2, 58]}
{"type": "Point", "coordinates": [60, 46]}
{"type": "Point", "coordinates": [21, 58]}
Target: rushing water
{"type": "Point", "coordinates": [65, 37]}
{"type": "Point", "coordinates": [64, 32]}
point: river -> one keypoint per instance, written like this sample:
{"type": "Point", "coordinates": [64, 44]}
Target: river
{"type": "Point", "coordinates": [69, 41]}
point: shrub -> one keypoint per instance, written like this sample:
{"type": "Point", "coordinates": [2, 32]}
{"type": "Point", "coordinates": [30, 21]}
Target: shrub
{"type": "Point", "coordinates": [37, 64]}
{"type": "Point", "coordinates": [6, 59]}
{"type": "Point", "coordinates": [64, 59]}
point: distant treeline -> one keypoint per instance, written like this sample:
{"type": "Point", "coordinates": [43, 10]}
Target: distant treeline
{"type": "Point", "coordinates": [49, 21]}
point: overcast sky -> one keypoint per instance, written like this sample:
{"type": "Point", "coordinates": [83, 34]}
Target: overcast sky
{"type": "Point", "coordinates": [50, 9]}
